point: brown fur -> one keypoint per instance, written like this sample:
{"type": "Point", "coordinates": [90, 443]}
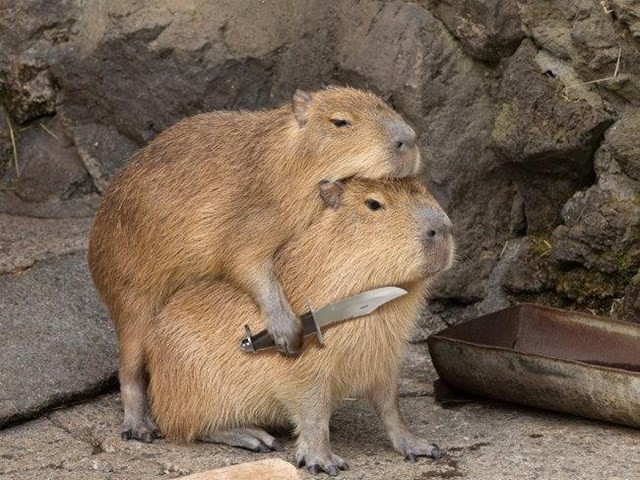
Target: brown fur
{"type": "Point", "coordinates": [202, 383]}
{"type": "Point", "coordinates": [216, 195]}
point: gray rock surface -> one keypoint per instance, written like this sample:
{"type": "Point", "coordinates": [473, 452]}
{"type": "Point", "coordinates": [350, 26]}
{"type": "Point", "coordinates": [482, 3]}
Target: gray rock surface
{"type": "Point", "coordinates": [56, 343]}
{"type": "Point", "coordinates": [488, 29]}
{"type": "Point", "coordinates": [25, 240]}
{"type": "Point", "coordinates": [551, 161]}
{"type": "Point", "coordinates": [481, 441]}
{"type": "Point", "coordinates": [49, 164]}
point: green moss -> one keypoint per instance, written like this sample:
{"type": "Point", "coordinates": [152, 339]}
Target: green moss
{"type": "Point", "coordinates": [582, 285]}
{"type": "Point", "coordinates": [540, 245]}
{"type": "Point", "coordinates": [503, 125]}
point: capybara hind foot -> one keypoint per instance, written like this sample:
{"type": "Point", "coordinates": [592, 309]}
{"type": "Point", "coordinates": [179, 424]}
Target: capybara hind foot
{"type": "Point", "coordinates": [412, 447]}
{"type": "Point", "coordinates": [249, 438]}
{"type": "Point", "coordinates": [319, 460]}
{"type": "Point", "coordinates": [142, 429]}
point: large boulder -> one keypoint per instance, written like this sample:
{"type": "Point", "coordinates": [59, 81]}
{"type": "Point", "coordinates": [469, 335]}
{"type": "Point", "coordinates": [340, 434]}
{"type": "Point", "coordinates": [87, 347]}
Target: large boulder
{"type": "Point", "coordinates": [487, 29]}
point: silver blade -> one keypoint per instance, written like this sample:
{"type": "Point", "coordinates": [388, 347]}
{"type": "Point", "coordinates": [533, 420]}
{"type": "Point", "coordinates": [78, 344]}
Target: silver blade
{"type": "Point", "coordinates": [356, 306]}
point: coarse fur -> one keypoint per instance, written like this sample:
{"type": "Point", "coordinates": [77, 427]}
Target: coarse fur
{"type": "Point", "coordinates": [203, 386]}
{"type": "Point", "coordinates": [215, 196]}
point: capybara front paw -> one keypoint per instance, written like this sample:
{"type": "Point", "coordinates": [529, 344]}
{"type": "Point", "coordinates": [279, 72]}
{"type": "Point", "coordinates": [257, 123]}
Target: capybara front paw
{"type": "Point", "coordinates": [412, 447]}
{"type": "Point", "coordinates": [287, 335]}
{"type": "Point", "coordinates": [317, 462]}
{"type": "Point", "coordinates": [143, 430]}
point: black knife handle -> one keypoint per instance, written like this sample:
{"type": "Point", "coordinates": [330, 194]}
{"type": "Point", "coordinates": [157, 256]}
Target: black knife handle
{"type": "Point", "coordinates": [263, 339]}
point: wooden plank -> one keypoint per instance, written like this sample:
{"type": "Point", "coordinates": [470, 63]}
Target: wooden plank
{"type": "Point", "coordinates": [272, 468]}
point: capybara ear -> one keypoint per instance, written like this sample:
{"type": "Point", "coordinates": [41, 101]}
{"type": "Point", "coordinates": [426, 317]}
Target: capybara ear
{"type": "Point", "coordinates": [331, 192]}
{"type": "Point", "coordinates": [301, 104]}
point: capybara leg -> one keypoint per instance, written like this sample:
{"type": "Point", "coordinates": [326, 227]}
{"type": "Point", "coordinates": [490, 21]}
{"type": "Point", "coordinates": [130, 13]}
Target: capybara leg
{"type": "Point", "coordinates": [385, 399]}
{"type": "Point", "coordinates": [282, 323]}
{"type": "Point", "coordinates": [249, 438]}
{"type": "Point", "coordinates": [313, 447]}
{"type": "Point", "coordinates": [137, 422]}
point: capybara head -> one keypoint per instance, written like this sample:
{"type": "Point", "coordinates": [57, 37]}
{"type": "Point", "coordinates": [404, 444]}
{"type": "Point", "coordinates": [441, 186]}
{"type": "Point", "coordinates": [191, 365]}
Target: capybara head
{"type": "Point", "coordinates": [378, 232]}
{"type": "Point", "coordinates": [357, 128]}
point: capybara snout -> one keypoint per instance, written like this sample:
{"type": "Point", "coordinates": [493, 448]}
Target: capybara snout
{"type": "Point", "coordinates": [405, 153]}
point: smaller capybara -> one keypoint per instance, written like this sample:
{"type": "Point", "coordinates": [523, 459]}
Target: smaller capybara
{"type": "Point", "coordinates": [371, 234]}
{"type": "Point", "coordinates": [215, 196]}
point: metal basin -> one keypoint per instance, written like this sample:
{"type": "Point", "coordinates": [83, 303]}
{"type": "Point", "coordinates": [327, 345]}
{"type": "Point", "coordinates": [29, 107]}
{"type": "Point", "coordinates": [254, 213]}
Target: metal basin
{"type": "Point", "coordinates": [544, 357]}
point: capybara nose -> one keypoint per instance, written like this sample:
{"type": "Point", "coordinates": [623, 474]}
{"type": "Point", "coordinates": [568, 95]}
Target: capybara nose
{"type": "Point", "coordinates": [402, 136]}
{"type": "Point", "coordinates": [438, 227]}
{"type": "Point", "coordinates": [406, 158]}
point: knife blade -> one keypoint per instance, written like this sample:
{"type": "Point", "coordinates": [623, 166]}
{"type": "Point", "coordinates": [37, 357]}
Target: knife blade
{"type": "Point", "coordinates": [312, 321]}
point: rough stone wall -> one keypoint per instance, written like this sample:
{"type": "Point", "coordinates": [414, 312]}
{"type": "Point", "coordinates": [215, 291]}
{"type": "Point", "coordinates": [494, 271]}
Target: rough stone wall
{"type": "Point", "coordinates": [528, 114]}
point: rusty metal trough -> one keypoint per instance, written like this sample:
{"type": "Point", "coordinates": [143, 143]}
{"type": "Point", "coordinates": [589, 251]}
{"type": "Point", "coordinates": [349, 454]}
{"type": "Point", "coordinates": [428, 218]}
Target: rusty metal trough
{"type": "Point", "coordinates": [545, 357]}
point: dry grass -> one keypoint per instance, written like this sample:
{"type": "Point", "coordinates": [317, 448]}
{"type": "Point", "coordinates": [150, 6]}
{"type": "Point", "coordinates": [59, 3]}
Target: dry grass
{"type": "Point", "coordinates": [14, 147]}
{"type": "Point", "coordinates": [599, 80]}
{"type": "Point", "coordinates": [49, 131]}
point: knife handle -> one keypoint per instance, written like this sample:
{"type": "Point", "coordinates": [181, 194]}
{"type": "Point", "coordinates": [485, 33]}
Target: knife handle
{"type": "Point", "coordinates": [263, 339]}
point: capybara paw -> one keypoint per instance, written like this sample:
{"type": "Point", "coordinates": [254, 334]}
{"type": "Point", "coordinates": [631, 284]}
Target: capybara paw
{"type": "Point", "coordinates": [250, 438]}
{"type": "Point", "coordinates": [329, 463]}
{"type": "Point", "coordinates": [414, 447]}
{"type": "Point", "coordinates": [288, 340]}
{"type": "Point", "coordinates": [142, 430]}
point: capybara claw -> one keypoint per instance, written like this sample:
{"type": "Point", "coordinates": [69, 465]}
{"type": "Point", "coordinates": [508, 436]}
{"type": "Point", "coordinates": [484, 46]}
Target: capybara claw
{"type": "Point", "coordinates": [436, 453]}
{"type": "Point", "coordinates": [330, 464]}
{"type": "Point", "coordinates": [143, 430]}
{"type": "Point", "coordinates": [417, 448]}
{"type": "Point", "coordinates": [332, 470]}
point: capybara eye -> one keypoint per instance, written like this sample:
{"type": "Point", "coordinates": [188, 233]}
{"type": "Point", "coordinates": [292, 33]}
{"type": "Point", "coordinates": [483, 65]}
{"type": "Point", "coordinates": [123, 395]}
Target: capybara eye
{"type": "Point", "coordinates": [340, 122]}
{"type": "Point", "coordinates": [373, 204]}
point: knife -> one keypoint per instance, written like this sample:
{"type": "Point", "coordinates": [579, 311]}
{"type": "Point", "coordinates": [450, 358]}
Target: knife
{"type": "Point", "coordinates": [312, 321]}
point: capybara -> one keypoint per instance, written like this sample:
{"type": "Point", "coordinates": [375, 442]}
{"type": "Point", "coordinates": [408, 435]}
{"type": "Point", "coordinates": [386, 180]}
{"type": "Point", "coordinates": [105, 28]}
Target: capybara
{"type": "Point", "coordinates": [215, 196]}
{"type": "Point", "coordinates": [371, 234]}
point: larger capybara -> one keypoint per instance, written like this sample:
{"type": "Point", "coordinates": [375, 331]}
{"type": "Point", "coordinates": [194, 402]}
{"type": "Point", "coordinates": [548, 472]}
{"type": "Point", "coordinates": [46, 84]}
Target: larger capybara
{"type": "Point", "coordinates": [372, 234]}
{"type": "Point", "coordinates": [216, 195]}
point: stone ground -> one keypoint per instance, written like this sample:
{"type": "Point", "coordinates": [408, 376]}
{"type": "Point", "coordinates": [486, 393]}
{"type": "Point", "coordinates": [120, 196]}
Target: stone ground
{"type": "Point", "coordinates": [481, 441]}
{"type": "Point", "coordinates": [57, 349]}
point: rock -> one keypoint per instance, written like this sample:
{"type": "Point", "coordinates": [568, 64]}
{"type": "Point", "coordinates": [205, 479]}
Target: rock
{"type": "Point", "coordinates": [597, 249]}
{"type": "Point", "coordinates": [487, 29]}
{"type": "Point", "coordinates": [56, 342]}
{"type": "Point", "coordinates": [545, 141]}
{"type": "Point", "coordinates": [588, 35]}
{"type": "Point", "coordinates": [25, 240]}
{"type": "Point", "coordinates": [30, 89]}
{"type": "Point", "coordinates": [528, 272]}
{"type": "Point", "coordinates": [625, 148]}
{"type": "Point", "coordinates": [102, 150]}
{"type": "Point", "coordinates": [49, 165]}
{"type": "Point", "coordinates": [548, 24]}
{"type": "Point", "coordinates": [269, 468]}
{"type": "Point", "coordinates": [416, 372]}
{"type": "Point", "coordinates": [601, 228]}
{"type": "Point", "coordinates": [628, 12]}
{"type": "Point", "coordinates": [428, 324]}
{"type": "Point", "coordinates": [6, 148]}
{"type": "Point", "coordinates": [631, 305]}
{"type": "Point", "coordinates": [78, 207]}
